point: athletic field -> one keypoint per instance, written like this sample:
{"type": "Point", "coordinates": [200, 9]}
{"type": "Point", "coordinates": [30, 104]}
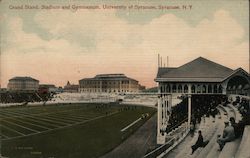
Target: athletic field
{"type": "Point", "coordinates": [68, 130]}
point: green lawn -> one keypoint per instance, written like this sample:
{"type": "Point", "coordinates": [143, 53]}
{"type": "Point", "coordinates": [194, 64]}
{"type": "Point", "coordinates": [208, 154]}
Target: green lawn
{"type": "Point", "coordinates": [85, 139]}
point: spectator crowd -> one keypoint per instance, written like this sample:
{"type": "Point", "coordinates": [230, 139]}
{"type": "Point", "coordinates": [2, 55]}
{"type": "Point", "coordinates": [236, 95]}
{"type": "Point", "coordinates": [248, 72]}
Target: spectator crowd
{"type": "Point", "coordinates": [234, 130]}
{"type": "Point", "coordinates": [23, 97]}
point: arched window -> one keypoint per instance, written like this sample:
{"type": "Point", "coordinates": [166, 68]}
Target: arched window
{"type": "Point", "coordinates": [204, 89]}
{"type": "Point", "coordinates": [174, 88]}
{"type": "Point", "coordinates": [185, 89]}
{"type": "Point", "coordinates": [215, 89]}
{"type": "Point", "coordinates": [180, 89]}
{"type": "Point", "coordinates": [220, 89]}
{"type": "Point", "coordinates": [240, 86]}
{"type": "Point", "coordinates": [168, 88]}
{"type": "Point", "coordinates": [161, 89]}
{"type": "Point", "coordinates": [209, 89]}
{"type": "Point", "coordinates": [198, 88]}
{"type": "Point", "coordinates": [246, 86]}
{"type": "Point", "coordinates": [193, 89]}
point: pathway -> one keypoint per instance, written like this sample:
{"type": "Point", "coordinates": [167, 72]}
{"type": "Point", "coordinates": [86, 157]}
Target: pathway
{"type": "Point", "coordinates": [137, 144]}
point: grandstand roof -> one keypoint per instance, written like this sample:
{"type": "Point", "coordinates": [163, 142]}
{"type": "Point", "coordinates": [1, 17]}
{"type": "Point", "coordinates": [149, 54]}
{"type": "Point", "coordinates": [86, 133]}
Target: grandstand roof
{"type": "Point", "coordinates": [23, 79]}
{"type": "Point", "coordinates": [198, 70]}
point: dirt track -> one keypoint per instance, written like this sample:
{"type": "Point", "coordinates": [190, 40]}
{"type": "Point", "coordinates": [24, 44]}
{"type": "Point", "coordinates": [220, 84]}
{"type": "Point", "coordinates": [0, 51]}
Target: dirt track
{"type": "Point", "coordinates": [137, 145]}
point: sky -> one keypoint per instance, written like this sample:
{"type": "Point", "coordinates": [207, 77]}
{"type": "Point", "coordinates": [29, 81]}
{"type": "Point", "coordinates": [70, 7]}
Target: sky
{"type": "Point", "coordinates": [56, 45]}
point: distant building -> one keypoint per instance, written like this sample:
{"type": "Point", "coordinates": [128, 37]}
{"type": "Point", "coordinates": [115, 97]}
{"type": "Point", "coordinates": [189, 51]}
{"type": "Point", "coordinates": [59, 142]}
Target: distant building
{"type": "Point", "coordinates": [3, 90]}
{"type": "Point", "coordinates": [151, 90]}
{"type": "Point", "coordinates": [141, 87]}
{"type": "Point", "coordinates": [47, 88]}
{"type": "Point", "coordinates": [60, 89]}
{"type": "Point", "coordinates": [71, 87]}
{"type": "Point", "coordinates": [23, 84]}
{"type": "Point", "coordinates": [109, 83]}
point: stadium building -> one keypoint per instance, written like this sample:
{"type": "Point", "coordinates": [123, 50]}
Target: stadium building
{"type": "Point", "coordinates": [200, 77]}
{"type": "Point", "coordinates": [23, 84]}
{"type": "Point", "coordinates": [109, 83]}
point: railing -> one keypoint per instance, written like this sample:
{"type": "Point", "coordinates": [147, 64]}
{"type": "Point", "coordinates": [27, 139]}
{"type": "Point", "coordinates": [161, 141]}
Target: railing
{"type": "Point", "coordinates": [159, 150]}
{"type": "Point", "coordinates": [177, 140]}
{"type": "Point", "coordinates": [177, 125]}
{"type": "Point", "coordinates": [170, 144]}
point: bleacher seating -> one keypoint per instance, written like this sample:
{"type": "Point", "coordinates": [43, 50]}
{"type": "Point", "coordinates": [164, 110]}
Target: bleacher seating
{"type": "Point", "coordinates": [211, 135]}
{"type": "Point", "coordinates": [238, 116]}
{"type": "Point", "coordinates": [236, 147]}
{"type": "Point", "coordinates": [211, 129]}
{"type": "Point", "coordinates": [243, 150]}
{"type": "Point", "coordinates": [179, 114]}
{"type": "Point", "coordinates": [230, 149]}
{"type": "Point", "coordinates": [23, 97]}
{"type": "Point", "coordinates": [208, 128]}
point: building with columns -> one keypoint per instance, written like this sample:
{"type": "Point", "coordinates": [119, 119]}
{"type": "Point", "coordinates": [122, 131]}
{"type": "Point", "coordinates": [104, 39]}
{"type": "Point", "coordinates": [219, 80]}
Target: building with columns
{"type": "Point", "coordinates": [109, 83]}
{"type": "Point", "coordinates": [23, 84]}
{"type": "Point", "coordinates": [200, 76]}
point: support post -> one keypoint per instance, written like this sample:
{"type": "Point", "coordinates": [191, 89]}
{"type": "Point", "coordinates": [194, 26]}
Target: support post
{"type": "Point", "coordinates": [189, 104]}
{"type": "Point", "coordinates": [160, 137]}
{"type": "Point", "coordinates": [189, 110]}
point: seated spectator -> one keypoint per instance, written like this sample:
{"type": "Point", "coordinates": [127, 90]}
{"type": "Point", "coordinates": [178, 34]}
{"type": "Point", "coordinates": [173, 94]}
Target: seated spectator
{"type": "Point", "coordinates": [199, 143]}
{"type": "Point", "coordinates": [213, 113]}
{"type": "Point", "coordinates": [228, 135]}
{"type": "Point", "coordinates": [235, 126]}
{"type": "Point", "coordinates": [192, 126]}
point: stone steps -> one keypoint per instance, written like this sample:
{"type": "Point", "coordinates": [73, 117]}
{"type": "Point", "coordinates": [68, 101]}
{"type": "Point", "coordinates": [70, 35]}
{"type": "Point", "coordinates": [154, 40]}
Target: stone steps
{"type": "Point", "coordinates": [243, 150]}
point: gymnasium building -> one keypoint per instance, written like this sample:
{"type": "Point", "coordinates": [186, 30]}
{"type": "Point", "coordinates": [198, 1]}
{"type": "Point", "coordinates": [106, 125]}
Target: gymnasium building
{"type": "Point", "coordinates": [109, 83]}
{"type": "Point", "coordinates": [23, 84]}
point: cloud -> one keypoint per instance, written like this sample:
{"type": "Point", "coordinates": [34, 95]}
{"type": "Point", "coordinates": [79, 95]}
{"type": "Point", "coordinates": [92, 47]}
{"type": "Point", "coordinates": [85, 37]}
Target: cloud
{"type": "Point", "coordinates": [27, 54]}
{"type": "Point", "coordinates": [86, 42]}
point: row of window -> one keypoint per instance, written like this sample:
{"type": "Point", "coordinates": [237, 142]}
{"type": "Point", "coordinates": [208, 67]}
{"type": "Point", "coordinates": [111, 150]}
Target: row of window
{"type": "Point", "coordinates": [238, 91]}
{"type": "Point", "coordinates": [108, 90]}
{"type": "Point", "coordinates": [104, 82]}
{"type": "Point", "coordinates": [106, 87]}
{"type": "Point", "coordinates": [194, 88]}
{"type": "Point", "coordinates": [237, 87]}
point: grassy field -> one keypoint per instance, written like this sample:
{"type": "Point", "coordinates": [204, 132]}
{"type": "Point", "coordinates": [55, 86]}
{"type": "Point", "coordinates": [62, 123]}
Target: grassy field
{"type": "Point", "coordinates": [70, 130]}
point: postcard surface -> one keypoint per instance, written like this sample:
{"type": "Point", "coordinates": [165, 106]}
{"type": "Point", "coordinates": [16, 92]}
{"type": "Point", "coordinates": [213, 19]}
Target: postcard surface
{"type": "Point", "coordinates": [98, 78]}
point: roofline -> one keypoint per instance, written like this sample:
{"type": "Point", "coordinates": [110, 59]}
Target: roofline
{"type": "Point", "coordinates": [196, 59]}
{"type": "Point", "coordinates": [188, 80]}
{"type": "Point", "coordinates": [198, 79]}
{"type": "Point", "coordinates": [207, 60]}
{"type": "Point", "coordinates": [234, 72]}
{"type": "Point", "coordinates": [108, 78]}
{"type": "Point", "coordinates": [87, 79]}
{"type": "Point", "coordinates": [118, 74]}
{"type": "Point", "coordinates": [23, 78]}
